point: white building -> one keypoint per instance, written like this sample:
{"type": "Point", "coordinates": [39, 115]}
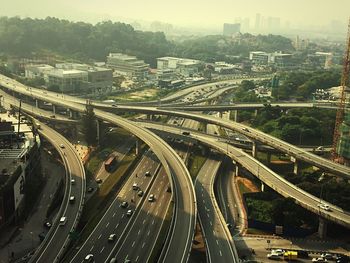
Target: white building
{"type": "Point", "coordinates": [127, 65]}
{"type": "Point", "coordinates": [72, 80]}
{"type": "Point", "coordinates": [37, 70]}
{"type": "Point", "coordinates": [185, 67]}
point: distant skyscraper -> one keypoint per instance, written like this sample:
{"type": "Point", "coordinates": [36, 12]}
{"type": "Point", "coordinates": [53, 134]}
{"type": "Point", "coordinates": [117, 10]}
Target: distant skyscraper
{"type": "Point", "coordinates": [257, 22]}
{"type": "Point", "coordinates": [231, 29]}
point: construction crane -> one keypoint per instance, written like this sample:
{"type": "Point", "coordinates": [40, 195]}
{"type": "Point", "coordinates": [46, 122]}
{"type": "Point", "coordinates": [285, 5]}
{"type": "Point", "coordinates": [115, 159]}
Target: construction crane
{"type": "Point", "coordinates": [341, 107]}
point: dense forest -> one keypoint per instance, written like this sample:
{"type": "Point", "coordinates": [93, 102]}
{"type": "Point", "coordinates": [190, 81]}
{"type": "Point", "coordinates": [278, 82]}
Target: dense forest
{"type": "Point", "coordinates": [84, 41]}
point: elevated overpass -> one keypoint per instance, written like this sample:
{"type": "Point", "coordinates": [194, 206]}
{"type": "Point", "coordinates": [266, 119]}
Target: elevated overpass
{"type": "Point", "coordinates": [184, 219]}
{"type": "Point", "coordinates": [57, 239]}
{"type": "Point", "coordinates": [265, 174]}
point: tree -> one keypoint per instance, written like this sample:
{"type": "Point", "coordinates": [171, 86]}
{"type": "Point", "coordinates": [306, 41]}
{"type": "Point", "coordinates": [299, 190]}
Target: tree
{"type": "Point", "coordinates": [89, 125]}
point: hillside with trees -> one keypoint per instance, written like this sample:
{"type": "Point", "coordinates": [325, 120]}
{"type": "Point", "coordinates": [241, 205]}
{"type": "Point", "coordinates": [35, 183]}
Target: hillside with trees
{"type": "Point", "coordinates": [83, 41]}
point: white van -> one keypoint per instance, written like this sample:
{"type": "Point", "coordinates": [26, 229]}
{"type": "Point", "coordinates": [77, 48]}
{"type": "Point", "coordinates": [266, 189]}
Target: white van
{"type": "Point", "coordinates": [63, 221]}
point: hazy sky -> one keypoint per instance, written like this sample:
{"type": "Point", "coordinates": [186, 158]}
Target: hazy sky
{"type": "Point", "coordinates": [183, 12]}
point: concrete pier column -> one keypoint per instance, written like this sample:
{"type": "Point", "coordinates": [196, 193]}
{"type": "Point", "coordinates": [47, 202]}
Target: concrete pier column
{"type": "Point", "coordinates": [54, 109]}
{"type": "Point", "coordinates": [71, 114]}
{"type": "Point", "coordinates": [235, 116]}
{"type": "Point", "coordinates": [220, 114]}
{"type": "Point", "coordinates": [205, 127]}
{"type": "Point", "coordinates": [254, 149]}
{"type": "Point", "coordinates": [268, 158]}
{"type": "Point", "coordinates": [36, 103]}
{"type": "Point", "coordinates": [236, 170]}
{"type": "Point", "coordinates": [296, 168]}
{"type": "Point", "coordinates": [255, 112]}
{"type": "Point", "coordinates": [98, 131]}
{"type": "Point", "coordinates": [137, 146]}
{"type": "Point", "coordinates": [322, 228]}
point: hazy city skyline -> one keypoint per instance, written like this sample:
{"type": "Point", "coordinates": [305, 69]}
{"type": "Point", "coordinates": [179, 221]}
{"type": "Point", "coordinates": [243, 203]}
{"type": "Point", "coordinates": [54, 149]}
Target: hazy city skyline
{"type": "Point", "coordinates": [183, 12]}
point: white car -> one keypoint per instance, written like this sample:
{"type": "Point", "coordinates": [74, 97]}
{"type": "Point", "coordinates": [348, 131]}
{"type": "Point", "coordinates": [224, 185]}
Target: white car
{"type": "Point", "coordinates": [319, 260]}
{"type": "Point", "coordinates": [279, 252]}
{"type": "Point", "coordinates": [151, 198]}
{"type": "Point", "coordinates": [324, 206]}
{"type": "Point", "coordinates": [273, 256]}
{"type": "Point", "coordinates": [89, 258]}
{"type": "Point", "coordinates": [62, 146]}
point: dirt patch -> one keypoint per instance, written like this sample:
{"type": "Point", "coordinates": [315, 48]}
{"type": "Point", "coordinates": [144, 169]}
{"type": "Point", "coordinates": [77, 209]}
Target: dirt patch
{"type": "Point", "coordinates": [248, 184]}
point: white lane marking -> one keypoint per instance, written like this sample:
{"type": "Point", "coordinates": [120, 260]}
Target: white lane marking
{"type": "Point", "coordinates": [102, 250]}
{"type": "Point", "coordinates": [91, 248]}
{"type": "Point", "coordinates": [99, 236]}
{"type": "Point", "coordinates": [143, 244]}
{"type": "Point", "coordinates": [138, 233]}
{"type": "Point", "coordinates": [217, 242]}
{"type": "Point", "coordinates": [148, 232]}
{"type": "Point", "coordinates": [220, 253]}
{"type": "Point", "coordinates": [144, 221]}
{"type": "Point", "coordinates": [114, 214]}
{"type": "Point", "coordinates": [117, 225]}
{"type": "Point", "coordinates": [107, 225]}
{"type": "Point", "coordinates": [152, 221]}
{"type": "Point", "coordinates": [137, 258]}
{"type": "Point", "coordinates": [133, 244]}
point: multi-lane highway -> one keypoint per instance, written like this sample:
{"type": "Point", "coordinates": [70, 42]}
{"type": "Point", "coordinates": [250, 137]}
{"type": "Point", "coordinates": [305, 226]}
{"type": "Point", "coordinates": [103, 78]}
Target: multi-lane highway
{"type": "Point", "coordinates": [115, 220]}
{"type": "Point", "coordinates": [219, 242]}
{"type": "Point", "coordinates": [184, 220]}
{"type": "Point", "coordinates": [266, 175]}
{"type": "Point", "coordinates": [57, 240]}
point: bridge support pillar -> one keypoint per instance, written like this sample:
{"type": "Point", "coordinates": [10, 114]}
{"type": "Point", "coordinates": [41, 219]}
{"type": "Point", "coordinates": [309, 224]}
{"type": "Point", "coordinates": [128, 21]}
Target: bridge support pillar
{"type": "Point", "coordinates": [235, 115]}
{"type": "Point", "coordinates": [254, 149]}
{"type": "Point", "coordinates": [255, 112]}
{"type": "Point", "coordinates": [322, 228]}
{"type": "Point", "coordinates": [150, 117]}
{"type": "Point", "coordinates": [296, 168]}
{"type": "Point", "coordinates": [236, 170]}
{"type": "Point", "coordinates": [268, 158]}
{"type": "Point", "coordinates": [205, 127]}
{"type": "Point", "coordinates": [70, 114]}
{"type": "Point", "coordinates": [36, 103]}
{"type": "Point", "coordinates": [54, 109]}
{"type": "Point", "coordinates": [98, 126]}
{"type": "Point", "coordinates": [137, 146]}
{"type": "Point", "coordinates": [220, 114]}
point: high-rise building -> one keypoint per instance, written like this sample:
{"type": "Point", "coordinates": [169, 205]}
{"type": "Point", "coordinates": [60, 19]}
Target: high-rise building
{"type": "Point", "coordinates": [257, 22]}
{"type": "Point", "coordinates": [231, 29]}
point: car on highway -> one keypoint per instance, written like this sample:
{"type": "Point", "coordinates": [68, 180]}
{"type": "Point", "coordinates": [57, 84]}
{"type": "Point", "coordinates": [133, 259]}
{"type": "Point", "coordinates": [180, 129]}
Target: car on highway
{"type": "Point", "coordinates": [47, 224]}
{"type": "Point", "coordinates": [279, 252]}
{"type": "Point", "coordinates": [62, 146]}
{"type": "Point", "coordinates": [72, 181]}
{"type": "Point", "coordinates": [124, 204]}
{"type": "Point", "coordinates": [90, 189]}
{"type": "Point", "coordinates": [273, 256]}
{"type": "Point", "coordinates": [148, 173]}
{"type": "Point", "coordinates": [327, 256]}
{"type": "Point", "coordinates": [342, 259]}
{"type": "Point", "coordinates": [319, 260]}
{"type": "Point", "coordinates": [99, 180]}
{"type": "Point", "coordinates": [89, 258]}
{"type": "Point", "coordinates": [151, 198]}
{"type": "Point", "coordinates": [140, 193]}
{"type": "Point", "coordinates": [245, 129]}
{"type": "Point", "coordinates": [112, 237]}
{"type": "Point", "coordinates": [324, 206]}
{"type": "Point", "coordinates": [72, 199]}
{"type": "Point", "coordinates": [135, 186]}
{"type": "Point", "coordinates": [63, 221]}
{"type": "Point", "coordinates": [129, 213]}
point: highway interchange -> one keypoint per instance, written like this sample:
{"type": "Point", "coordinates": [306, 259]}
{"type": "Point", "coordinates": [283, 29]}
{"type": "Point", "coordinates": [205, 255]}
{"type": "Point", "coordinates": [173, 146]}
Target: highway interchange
{"type": "Point", "coordinates": [248, 162]}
